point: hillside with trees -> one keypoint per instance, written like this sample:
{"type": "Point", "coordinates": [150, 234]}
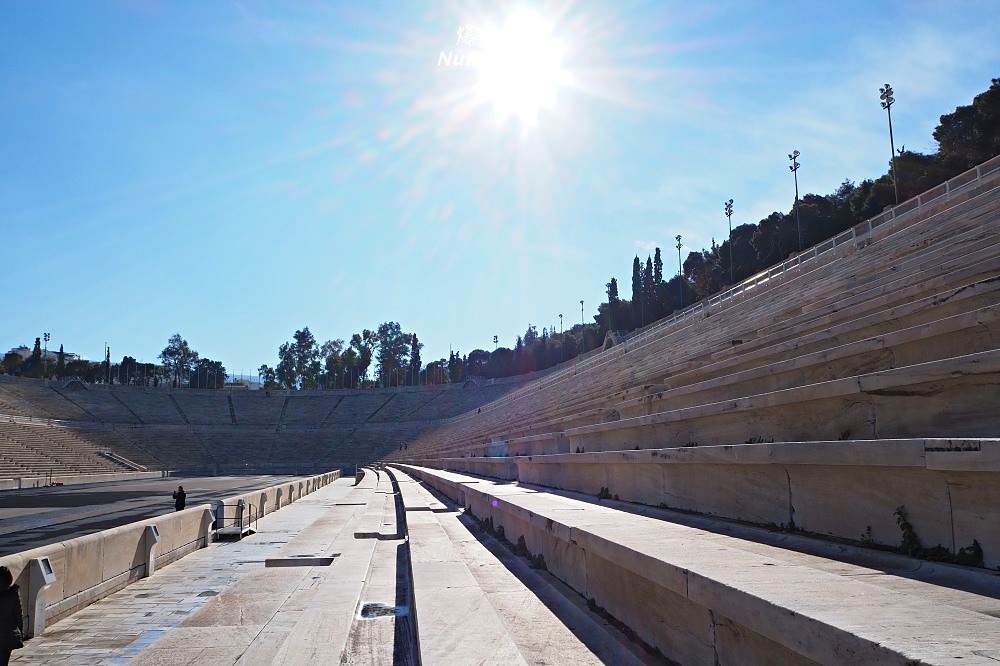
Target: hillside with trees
{"type": "Point", "coordinates": [388, 356]}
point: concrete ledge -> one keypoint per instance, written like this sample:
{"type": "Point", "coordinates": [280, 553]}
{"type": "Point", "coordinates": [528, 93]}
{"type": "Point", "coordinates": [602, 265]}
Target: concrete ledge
{"type": "Point", "coordinates": [845, 489]}
{"type": "Point", "coordinates": [75, 479]}
{"type": "Point", "coordinates": [498, 468]}
{"type": "Point", "coordinates": [702, 597]}
{"type": "Point", "coordinates": [551, 442]}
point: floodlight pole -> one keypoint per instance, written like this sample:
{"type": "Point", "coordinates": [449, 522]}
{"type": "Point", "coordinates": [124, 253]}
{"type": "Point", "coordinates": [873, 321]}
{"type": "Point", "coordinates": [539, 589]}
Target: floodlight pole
{"type": "Point", "coordinates": [583, 337]}
{"type": "Point", "coordinates": [45, 354]}
{"type": "Point", "coordinates": [795, 173]}
{"type": "Point", "coordinates": [680, 273]}
{"type": "Point", "coordinates": [887, 100]}
{"type": "Point", "coordinates": [729, 215]}
{"type": "Point", "coordinates": [560, 339]}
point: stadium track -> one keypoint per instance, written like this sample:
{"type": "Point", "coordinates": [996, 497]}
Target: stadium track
{"type": "Point", "coordinates": [33, 517]}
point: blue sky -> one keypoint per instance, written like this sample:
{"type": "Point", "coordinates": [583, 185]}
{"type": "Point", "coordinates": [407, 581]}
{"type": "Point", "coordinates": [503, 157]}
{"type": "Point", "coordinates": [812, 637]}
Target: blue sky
{"type": "Point", "coordinates": [234, 171]}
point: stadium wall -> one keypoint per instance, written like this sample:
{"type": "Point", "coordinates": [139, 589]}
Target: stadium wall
{"type": "Point", "coordinates": [91, 567]}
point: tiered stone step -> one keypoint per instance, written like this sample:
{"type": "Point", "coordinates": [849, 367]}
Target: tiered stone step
{"type": "Point", "coordinates": [31, 448]}
{"type": "Point", "coordinates": [152, 406]}
{"type": "Point", "coordinates": [462, 590]}
{"type": "Point", "coordinates": [175, 446]}
{"type": "Point", "coordinates": [203, 407]}
{"type": "Point", "coordinates": [705, 592]}
{"type": "Point", "coordinates": [101, 405]}
{"type": "Point", "coordinates": [37, 399]}
{"type": "Point", "coordinates": [254, 409]}
{"type": "Point", "coordinates": [935, 263]}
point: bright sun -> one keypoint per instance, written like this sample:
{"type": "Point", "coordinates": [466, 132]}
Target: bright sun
{"type": "Point", "coordinates": [521, 67]}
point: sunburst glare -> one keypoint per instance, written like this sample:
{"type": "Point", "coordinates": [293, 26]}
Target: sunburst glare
{"type": "Point", "coordinates": [521, 67]}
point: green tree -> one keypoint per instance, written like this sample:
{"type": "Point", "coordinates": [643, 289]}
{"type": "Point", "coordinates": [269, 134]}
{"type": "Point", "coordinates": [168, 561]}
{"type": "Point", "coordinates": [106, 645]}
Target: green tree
{"type": "Point", "coordinates": [268, 377]}
{"type": "Point", "coordinates": [503, 362]}
{"type": "Point", "coordinates": [299, 362]}
{"type": "Point", "coordinates": [414, 372]}
{"type": "Point", "coordinates": [147, 374]}
{"type": "Point", "coordinates": [523, 360]}
{"type": "Point", "coordinates": [745, 262]}
{"type": "Point", "coordinates": [615, 315]}
{"type": "Point", "coordinates": [331, 354]}
{"type": "Point", "coordinates": [85, 370]}
{"type": "Point", "coordinates": [392, 353]}
{"type": "Point", "coordinates": [436, 372]}
{"type": "Point", "coordinates": [540, 351]}
{"type": "Point", "coordinates": [178, 358]}
{"type": "Point", "coordinates": [349, 357]}
{"type": "Point", "coordinates": [569, 347]}
{"type": "Point", "coordinates": [208, 374]}
{"type": "Point", "coordinates": [11, 362]}
{"type": "Point", "coordinates": [701, 271]}
{"type": "Point", "coordinates": [363, 344]}
{"type": "Point", "coordinates": [654, 292]}
{"type": "Point", "coordinates": [638, 314]}
{"type": "Point", "coordinates": [775, 239]}
{"type": "Point", "coordinates": [970, 135]}
{"type": "Point", "coordinates": [454, 367]}
{"type": "Point", "coordinates": [32, 366]}
{"type": "Point", "coordinates": [285, 370]}
{"type": "Point", "coordinates": [649, 313]}
{"type": "Point", "coordinates": [307, 365]}
{"type": "Point", "coordinates": [126, 371]}
{"type": "Point", "coordinates": [477, 363]}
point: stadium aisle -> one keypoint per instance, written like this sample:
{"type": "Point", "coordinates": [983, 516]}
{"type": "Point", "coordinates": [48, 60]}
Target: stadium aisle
{"type": "Point", "coordinates": [122, 626]}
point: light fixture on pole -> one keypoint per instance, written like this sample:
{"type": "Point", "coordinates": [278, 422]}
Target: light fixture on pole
{"type": "Point", "coordinates": [729, 215]}
{"type": "Point", "coordinates": [560, 339]}
{"type": "Point", "coordinates": [583, 339]}
{"type": "Point", "coordinates": [45, 355]}
{"type": "Point", "coordinates": [680, 273]}
{"type": "Point", "coordinates": [887, 100]}
{"type": "Point", "coordinates": [795, 172]}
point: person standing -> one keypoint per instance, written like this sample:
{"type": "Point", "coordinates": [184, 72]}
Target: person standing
{"type": "Point", "coordinates": [180, 497]}
{"type": "Point", "coordinates": [11, 619]}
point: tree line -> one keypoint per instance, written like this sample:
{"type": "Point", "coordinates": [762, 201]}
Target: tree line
{"type": "Point", "coordinates": [389, 357]}
{"type": "Point", "coordinates": [181, 367]}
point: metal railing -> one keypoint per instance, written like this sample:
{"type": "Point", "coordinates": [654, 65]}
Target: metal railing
{"type": "Point", "coordinates": [235, 519]}
{"type": "Point", "coordinates": [134, 466]}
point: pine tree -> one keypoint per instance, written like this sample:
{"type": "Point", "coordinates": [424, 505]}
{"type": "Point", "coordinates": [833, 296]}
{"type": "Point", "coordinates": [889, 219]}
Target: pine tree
{"type": "Point", "coordinates": [636, 290]}
{"type": "Point", "coordinates": [649, 313]}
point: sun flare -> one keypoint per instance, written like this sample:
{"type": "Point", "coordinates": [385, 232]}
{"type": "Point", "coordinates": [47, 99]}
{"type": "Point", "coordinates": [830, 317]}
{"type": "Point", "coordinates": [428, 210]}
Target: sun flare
{"type": "Point", "coordinates": [521, 67]}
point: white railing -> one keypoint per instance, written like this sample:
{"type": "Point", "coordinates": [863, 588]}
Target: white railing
{"type": "Point", "coordinates": [124, 461]}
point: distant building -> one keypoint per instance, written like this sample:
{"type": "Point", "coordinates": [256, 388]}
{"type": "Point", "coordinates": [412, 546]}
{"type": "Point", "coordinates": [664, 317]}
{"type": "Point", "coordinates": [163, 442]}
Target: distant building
{"type": "Point", "coordinates": [244, 384]}
{"type": "Point", "coordinates": [47, 355]}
